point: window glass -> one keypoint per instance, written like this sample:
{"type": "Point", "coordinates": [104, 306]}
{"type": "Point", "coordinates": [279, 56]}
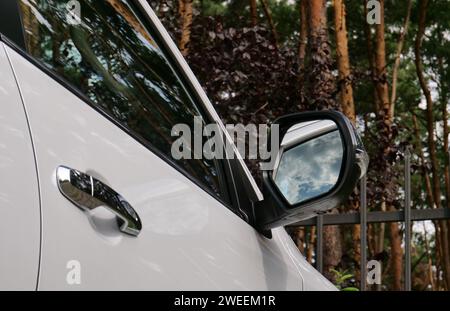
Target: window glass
{"type": "Point", "coordinates": [104, 50]}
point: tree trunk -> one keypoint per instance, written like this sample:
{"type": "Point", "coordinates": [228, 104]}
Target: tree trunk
{"type": "Point", "coordinates": [321, 80]}
{"type": "Point", "coordinates": [345, 82]}
{"type": "Point", "coordinates": [429, 194]}
{"type": "Point", "coordinates": [398, 53]}
{"type": "Point", "coordinates": [426, 177]}
{"type": "Point", "coordinates": [273, 29]}
{"type": "Point", "coordinates": [253, 12]}
{"type": "Point", "coordinates": [303, 40]}
{"type": "Point", "coordinates": [445, 151]}
{"type": "Point", "coordinates": [321, 89]}
{"type": "Point", "coordinates": [181, 8]}
{"type": "Point", "coordinates": [377, 231]}
{"type": "Point", "coordinates": [299, 238]}
{"type": "Point", "coordinates": [380, 66]}
{"type": "Point", "coordinates": [445, 260]}
{"type": "Point", "coordinates": [185, 11]}
{"type": "Point", "coordinates": [396, 254]}
{"type": "Point", "coordinates": [371, 56]}
{"type": "Point", "coordinates": [356, 237]}
{"type": "Point", "coordinates": [302, 44]}
{"type": "Point", "coordinates": [384, 109]}
{"type": "Point", "coordinates": [430, 260]}
{"type": "Point", "coordinates": [332, 250]}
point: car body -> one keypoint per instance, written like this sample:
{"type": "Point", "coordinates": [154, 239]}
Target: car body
{"type": "Point", "coordinates": [63, 112]}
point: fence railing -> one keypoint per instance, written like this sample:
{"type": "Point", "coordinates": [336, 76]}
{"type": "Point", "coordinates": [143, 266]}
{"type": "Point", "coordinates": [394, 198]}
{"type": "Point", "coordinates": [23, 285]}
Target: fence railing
{"type": "Point", "coordinates": [407, 215]}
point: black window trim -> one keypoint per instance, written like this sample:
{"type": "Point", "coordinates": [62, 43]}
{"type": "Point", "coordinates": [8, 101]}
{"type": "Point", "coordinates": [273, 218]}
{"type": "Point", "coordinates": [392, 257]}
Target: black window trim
{"type": "Point", "coordinates": [226, 184]}
{"type": "Point", "coordinates": [11, 25]}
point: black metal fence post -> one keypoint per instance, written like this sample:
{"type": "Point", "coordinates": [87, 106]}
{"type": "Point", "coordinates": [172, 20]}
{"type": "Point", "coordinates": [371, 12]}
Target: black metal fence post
{"type": "Point", "coordinates": [319, 251]}
{"type": "Point", "coordinates": [363, 234]}
{"type": "Point", "coordinates": [407, 220]}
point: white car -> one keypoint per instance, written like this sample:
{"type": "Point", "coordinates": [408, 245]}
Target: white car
{"type": "Point", "coordinates": [91, 197]}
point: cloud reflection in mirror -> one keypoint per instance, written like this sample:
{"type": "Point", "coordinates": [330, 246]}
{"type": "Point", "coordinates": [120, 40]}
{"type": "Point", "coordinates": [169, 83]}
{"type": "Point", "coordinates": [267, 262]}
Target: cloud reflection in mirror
{"type": "Point", "coordinates": [310, 169]}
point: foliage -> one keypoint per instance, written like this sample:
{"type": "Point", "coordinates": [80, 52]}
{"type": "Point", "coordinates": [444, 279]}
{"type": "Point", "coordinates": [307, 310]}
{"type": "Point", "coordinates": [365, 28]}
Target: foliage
{"type": "Point", "coordinates": [342, 280]}
{"type": "Point", "coordinates": [249, 79]}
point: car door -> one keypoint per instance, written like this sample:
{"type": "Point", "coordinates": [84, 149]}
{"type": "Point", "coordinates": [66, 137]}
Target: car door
{"type": "Point", "coordinates": [102, 96]}
{"type": "Point", "coordinates": [19, 195]}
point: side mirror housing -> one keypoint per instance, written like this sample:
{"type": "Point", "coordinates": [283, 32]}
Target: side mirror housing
{"type": "Point", "coordinates": [320, 159]}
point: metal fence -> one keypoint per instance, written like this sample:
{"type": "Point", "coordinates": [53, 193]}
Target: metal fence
{"type": "Point", "coordinates": [407, 215]}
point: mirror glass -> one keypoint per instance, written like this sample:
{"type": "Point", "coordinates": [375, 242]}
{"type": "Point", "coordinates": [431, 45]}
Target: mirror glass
{"type": "Point", "coordinates": [311, 160]}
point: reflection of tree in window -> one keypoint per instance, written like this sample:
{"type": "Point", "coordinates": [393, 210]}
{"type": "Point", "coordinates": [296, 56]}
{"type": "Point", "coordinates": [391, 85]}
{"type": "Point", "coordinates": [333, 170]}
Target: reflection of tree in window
{"type": "Point", "coordinates": [114, 61]}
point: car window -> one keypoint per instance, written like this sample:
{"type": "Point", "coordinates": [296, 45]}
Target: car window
{"type": "Point", "coordinates": [105, 51]}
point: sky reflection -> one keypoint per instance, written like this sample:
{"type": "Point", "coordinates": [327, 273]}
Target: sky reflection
{"type": "Point", "coordinates": [311, 168]}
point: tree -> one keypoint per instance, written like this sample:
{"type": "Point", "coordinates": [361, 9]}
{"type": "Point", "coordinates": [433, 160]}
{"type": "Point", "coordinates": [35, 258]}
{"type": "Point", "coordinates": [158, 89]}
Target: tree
{"type": "Point", "coordinates": [400, 45]}
{"type": "Point", "coordinates": [345, 83]}
{"type": "Point", "coordinates": [286, 62]}
{"type": "Point", "coordinates": [436, 187]}
{"type": "Point", "coordinates": [253, 12]}
{"type": "Point", "coordinates": [386, 150]}
{"type": "Point", "coordinates": [268, 14]}
{"type": "Point", "coordinates": [380, 68]}
{"type": "Point", "coordinates": [321, 79]}
{"type": "Point", "coordinates": [321, 92]}
{"type": "Point", "coordinates": [185, 12]}
{"type": "Point", "coordinates": [303, 38]}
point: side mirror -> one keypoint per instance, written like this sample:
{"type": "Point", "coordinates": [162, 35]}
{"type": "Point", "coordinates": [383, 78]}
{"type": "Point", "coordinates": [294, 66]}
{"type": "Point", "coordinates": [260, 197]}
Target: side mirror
{"type": "Point", "coordinates": [320, 159]}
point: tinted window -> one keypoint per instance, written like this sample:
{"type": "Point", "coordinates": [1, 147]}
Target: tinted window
{"type": "Point", "coordinates": [114, 60]}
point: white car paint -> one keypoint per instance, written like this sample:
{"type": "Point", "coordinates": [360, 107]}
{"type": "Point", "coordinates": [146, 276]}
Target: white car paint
{"type": "Point", "coordinates": [19, 196]}
{"type": "Point", "coordinates": [189, 240]}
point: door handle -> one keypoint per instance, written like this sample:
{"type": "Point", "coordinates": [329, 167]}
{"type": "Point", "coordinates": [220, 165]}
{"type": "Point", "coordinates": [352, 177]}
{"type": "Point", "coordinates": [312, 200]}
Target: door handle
{"type": "Point", "coordinates": [88, 193]}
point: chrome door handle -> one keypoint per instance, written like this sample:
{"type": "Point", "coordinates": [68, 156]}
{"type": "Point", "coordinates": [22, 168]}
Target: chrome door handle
{"type": "Point", "coordinates": [88, 193]}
